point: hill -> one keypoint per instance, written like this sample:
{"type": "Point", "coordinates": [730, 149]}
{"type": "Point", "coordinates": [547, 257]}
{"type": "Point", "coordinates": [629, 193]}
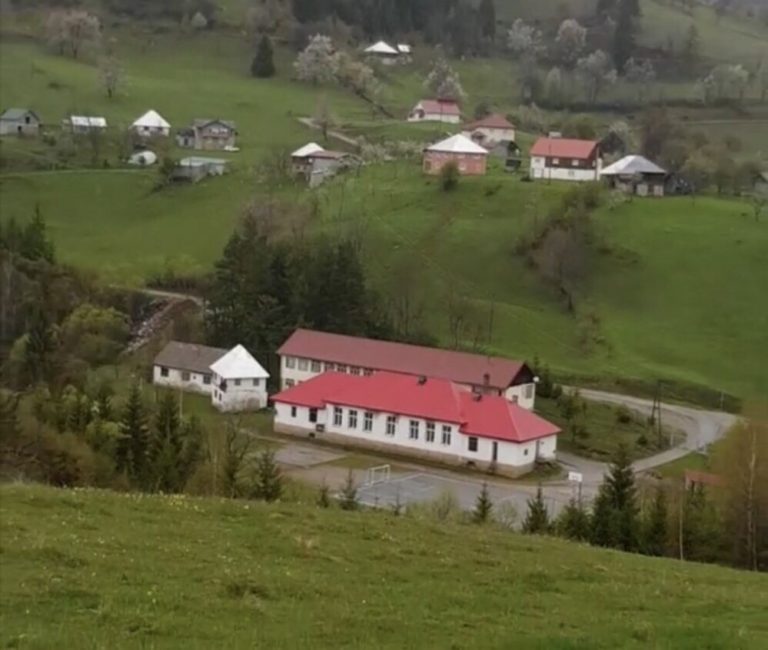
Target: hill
{"type": "Point", "coordinates": [85, 568]}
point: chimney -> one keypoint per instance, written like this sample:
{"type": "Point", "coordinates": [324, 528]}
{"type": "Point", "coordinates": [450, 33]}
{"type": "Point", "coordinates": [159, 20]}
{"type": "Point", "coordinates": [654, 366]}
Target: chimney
{"type": "Point", "coordinates": [487, 383]}
{"type": "Point", "coordinates": [422, 380]}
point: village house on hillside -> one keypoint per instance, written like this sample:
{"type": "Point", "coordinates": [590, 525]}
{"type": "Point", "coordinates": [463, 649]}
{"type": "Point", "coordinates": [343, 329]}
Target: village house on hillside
{"type": "Point", "coordinates": [417, 415]}
{"type": "Point", "coordinates": [470, 158]}
{"type": "Point", "coordinates": [234, 379]}
{"type": "Point", "coordinates": [308, 353]}
{"type": "Point", "coordinates": [436, 110]}
{"type": "Point", "coordinates": [208, 134]}
{"type": "Point", "coordinates": [387, 54]}
{"type": "Point", "coordinates": [315, 164]}
{"type": "Point", "coordinates": [82, 124]}
{"type": "Point", "coordinates": [565, 159]}
{"type": "Point", "coordinates": [490, 130]}
{"type": "Point", "coordinates": [151, 124]}
{"type": "Point", "coordinates": [636, 175]}
{"type": "Point", "coordinates": [196, 168]}
{"type": "Point", "coordinates": [19, 121]}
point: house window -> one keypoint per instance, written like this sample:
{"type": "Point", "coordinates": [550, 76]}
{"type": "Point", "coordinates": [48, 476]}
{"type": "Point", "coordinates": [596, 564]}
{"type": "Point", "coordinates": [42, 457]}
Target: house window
{"type": "Point", "coordinates": [555, 161]}
{"type": "Point", "coordinates": [413, 432]}
{"type": "Point", "coordinates": [430, 431]}
{"type": "Point", "coordinates": [163, 371]}
{"type": "Point", "coordinates": [525, 451]}
{"type": "Point", "coordinates": [313, 415]}
{"type": "Point", "coordinates": [184, 375]}
{"type": "Point", "coordinates": [255, 382]}
{"type": "Point", "coordinates": [574, 163]}
{"type": "Point", "coordinates": [206, 379]}
{"type": "Point", "coordinates": [472, 443]}
{"type": "Point", "coordinates": [303, 364]}
{"type": "Point", "coordinates": [337, 416]}
{"type": "Point", "coordinates": [354, 370]}
{"type": "Point", "coordinates": [446, 440]}
{"type": "Point", "coordinates": [237, 382]}
{"type": "Point", "coordinates": [289, 383]}
{"type": "Point", "coordinates": [352, 419]}
{"type": "Point", "coordinates": [329, 367]}
{"type": "Point", "coordinates": [293, 411]}
{"type": "Point", "coordinates": [528, 391]}
{"type": "Point", "coordinates": [315, 366]}
{"type": "Point", "coordinates": [368, 421]}
{"type": "Point", "coordinates": [391, 423]}
{"type": "Point", "coordinates": [341, 368]}
{"type": "Point", "coordinates": [515, 399]}
{"type": "Point", "coordinates": [290, 362]}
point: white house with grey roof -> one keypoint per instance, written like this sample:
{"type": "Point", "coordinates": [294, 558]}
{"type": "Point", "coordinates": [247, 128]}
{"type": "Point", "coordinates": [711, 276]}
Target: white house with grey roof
{"type": "Point", "coordinates": [635, 175]}
{"type": "Point", "coordinates": [19, 121]}
{"type": "Point", "coordinates": [233, 378]}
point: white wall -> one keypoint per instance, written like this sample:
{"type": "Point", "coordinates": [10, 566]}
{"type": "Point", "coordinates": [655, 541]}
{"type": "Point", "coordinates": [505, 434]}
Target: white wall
{"type": "Point", "coordinates": [508, 453]}
{"type": "Point", "coordinates": [193, 381]}
{"type": "Point", "coordinates": [495, 135]}
{"type": "Point", "coordinates": [540, 170]}
{"type": "Point", "coordinates": [525, 394]}
{"type": "Point", "coordinates": [240, 394]}
{"type": "Point", "coordinates": [434, 117]}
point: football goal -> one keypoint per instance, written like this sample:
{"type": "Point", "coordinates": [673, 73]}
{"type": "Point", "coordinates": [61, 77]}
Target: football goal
{"type": "Point", "coordinates": [378, 474]}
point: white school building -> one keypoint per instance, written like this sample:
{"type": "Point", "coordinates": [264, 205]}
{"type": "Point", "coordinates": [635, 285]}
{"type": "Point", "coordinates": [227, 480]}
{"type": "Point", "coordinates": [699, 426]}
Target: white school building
{"type": "Point", "coordinates": [417, 416]}
{"type": "Point", "coordinates": [307, 353]}
{"type": "Point", "coordinates": [233, 378]}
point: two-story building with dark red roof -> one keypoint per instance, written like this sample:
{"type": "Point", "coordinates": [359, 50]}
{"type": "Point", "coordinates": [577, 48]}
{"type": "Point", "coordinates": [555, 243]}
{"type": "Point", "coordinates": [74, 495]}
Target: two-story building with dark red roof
{"type": "Point", "coordinates": [565, 159]}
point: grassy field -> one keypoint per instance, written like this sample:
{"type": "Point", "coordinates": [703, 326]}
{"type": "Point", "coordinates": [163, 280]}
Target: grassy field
{"type": "Point", "coordinates": [92, 569]}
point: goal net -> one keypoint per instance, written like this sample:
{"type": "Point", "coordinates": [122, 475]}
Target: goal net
{"type": "Point", "coordinates": [378, 474]}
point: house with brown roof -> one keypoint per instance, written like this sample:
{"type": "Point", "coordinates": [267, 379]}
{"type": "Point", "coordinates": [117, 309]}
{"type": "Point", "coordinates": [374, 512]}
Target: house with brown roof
{"type": "Point", "coordinates": [565, 159]}
{"type": "Point", "coordinates": [491, 129]}
{"type": "Point", "coordinates": [207, 134]}
{"type": "Point", "coordinates": [436, 110]}
{"type": "Point", "coordinates": [316, 164]}
{"type": "Point", "coordinates": [308, 353]}
{"type": "Point", "coordinates": [233, 378]}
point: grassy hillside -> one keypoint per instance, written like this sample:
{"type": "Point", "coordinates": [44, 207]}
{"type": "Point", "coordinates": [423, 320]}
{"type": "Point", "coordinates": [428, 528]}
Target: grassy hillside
{"type": "Point", "coordinates": [94, 569]}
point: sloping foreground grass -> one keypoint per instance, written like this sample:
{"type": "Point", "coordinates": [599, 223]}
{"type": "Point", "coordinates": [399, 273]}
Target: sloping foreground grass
{"type": "Point", "coordinates": [88, 569]}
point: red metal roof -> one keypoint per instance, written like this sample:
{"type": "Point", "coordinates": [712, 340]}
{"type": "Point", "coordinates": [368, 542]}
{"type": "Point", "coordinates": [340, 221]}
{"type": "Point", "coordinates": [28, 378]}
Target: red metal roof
{"type": "Point", "coordinates": [442, 106]}
{"type": "Point", "coordinates": [461, 367]}
{"type": "Point", "coordinates": [487, 416]}
{"type": "Point", "coordinates": [564, 148]}
{"type": "Point", "coordinates": [492, 121]}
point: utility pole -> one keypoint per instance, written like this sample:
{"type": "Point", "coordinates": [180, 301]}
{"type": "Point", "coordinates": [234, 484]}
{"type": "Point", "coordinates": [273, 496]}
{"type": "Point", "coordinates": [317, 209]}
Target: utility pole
{"type": "Point", "coordinates": [656, 413]}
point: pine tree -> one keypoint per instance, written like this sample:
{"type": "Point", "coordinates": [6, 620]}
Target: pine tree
{"type": "Point", "coordinates": [269, 481]}
{"type": "Point", "coordinates": [603, 520]}
{"type": "Point", "coordinates": [103, 401]}
{"type": "Point", "coordinates": [655, 525]}
{"type": "Point", "coordinates": [691, 48]}
{"type": "Point", "coordinates": [537, 518]}
{"type": "Point", "coordinates": [131, 454]}
{"type": "Point", "coordinates": [34, 244]}
{"type": "Point", "coordinates": [621, 487]}
{"type": "Point", "coordinates": [324, 496]}
{"type": "Point", "coordinates": [483, 506]}
{"type": "Point", "coordinates": [263, 65]}
{"type": "Point", "coordinates": [39, 349]}
{"type": "Point", "coordinates": [165, 445]}
{"type": "Point", "coordinates": [573, 522]}
{"type": "Point", "coordinates": [486, 11]}
{"type": "Point", "coordinates": [349, 493]}
{"type": "Point", "coordinates": [624, 34]}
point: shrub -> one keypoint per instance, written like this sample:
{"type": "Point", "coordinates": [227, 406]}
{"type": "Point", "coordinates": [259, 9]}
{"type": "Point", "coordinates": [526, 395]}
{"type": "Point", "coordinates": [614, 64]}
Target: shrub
{"type": "Point", "coordinates": [623, 414]}
{"type": "Point", "coordinates": [349, 499]}
{"type": "Point", "coordinates": [449, 176]}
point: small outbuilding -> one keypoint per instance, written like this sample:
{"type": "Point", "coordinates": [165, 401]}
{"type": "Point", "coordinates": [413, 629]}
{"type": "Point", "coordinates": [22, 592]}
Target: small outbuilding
{"type": "Point", "coordinates": [196, 168]}
{"type": "Point", "coordinates": [151, 124]}
{"type": "Point", "coordinates": [82, 124]}
{"type": "Point", "coordinates": [470, 157]}
{"type": "Point", "coordinates": [316, 164]}
{"type": "Point", "coordinates": [19, 121]}
{"type": "Point", "coordinates": [491, 129]}
{"type": "Point", "coordinates": [384, 52]}
{"type": "Point", "coordinates": [636, 175]}
{"type": "Point", "coordinates": [436, 110]}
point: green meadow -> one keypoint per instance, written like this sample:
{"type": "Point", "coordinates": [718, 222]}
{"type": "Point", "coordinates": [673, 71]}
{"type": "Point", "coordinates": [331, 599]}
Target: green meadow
{"type": "Point", "coordinates": [84, 568]}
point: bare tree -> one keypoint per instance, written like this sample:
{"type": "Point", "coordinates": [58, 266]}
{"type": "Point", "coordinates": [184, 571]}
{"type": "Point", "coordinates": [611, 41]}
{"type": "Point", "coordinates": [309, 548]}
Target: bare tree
{"type": "Point", "coordinates": [111, 74]}
{"type": "Point", "coordinates": [71, 31]}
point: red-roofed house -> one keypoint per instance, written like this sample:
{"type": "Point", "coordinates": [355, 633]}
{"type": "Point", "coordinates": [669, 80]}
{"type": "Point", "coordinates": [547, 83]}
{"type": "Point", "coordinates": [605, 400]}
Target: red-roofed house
{"type": "Point", "coordinates": [566, 159]}
{"type": "Point", "coordinates": [424, 417]}
{"type": "Point", "coordinates": [435, 110]}
{"type": "Point", "coordinates": [491, 129]}
{"type": "Point", "coordinates": [307, 353]}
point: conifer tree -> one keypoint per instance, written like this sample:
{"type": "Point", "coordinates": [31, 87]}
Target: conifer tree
{"type": "Point", "coordinates": [165, 445]}
{"type": "Point", "coordinates": [624, 34]}
{"type": "Point", "coordinates": [573, 522]}
{"type": "Point", "coordinates": [486, 11]}
{"type": "Point", "coordinates": [103, 401]}
{"type": "Point", "coordinates": [349, 493]}
{"type": "Point", "coordinates": [39, 349]}
{"type": "Point", "coordinates": [483, 506]}
{"type": "Point", "coordinates": [34, 244]}
{"type": "Point", "coordinates": [263, 65]}
{"type": "Point", "coordinates": [537, 518]}
{"type": "Point", "coordinates": [603, 520]}
{"type": "Point", "coordinates": [621, 486]}
{"type": "Point", "coordinates": [655, 525]}
{"type": "Point", "coordinates": [269, 481]}
{"type": "Point", "coordinates": [131, 454]}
